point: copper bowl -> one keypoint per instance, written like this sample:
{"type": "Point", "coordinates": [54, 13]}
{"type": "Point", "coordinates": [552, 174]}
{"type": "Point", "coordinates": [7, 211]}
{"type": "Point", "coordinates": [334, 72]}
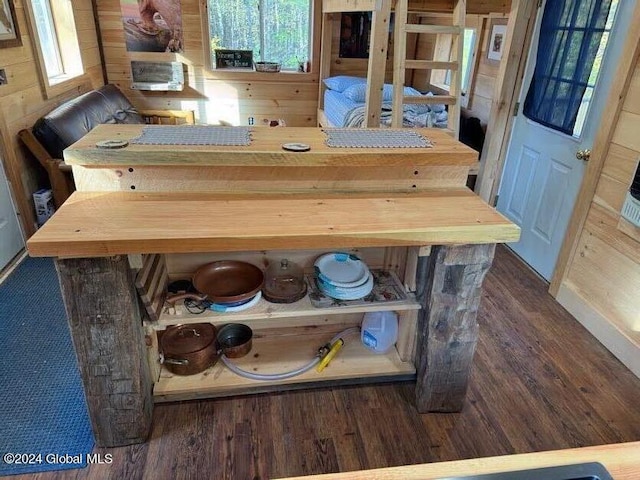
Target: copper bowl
{"type": "Point", "coordinates": [234, 340]}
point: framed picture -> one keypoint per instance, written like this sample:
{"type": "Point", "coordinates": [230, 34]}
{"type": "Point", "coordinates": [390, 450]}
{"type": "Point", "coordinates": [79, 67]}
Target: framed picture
{"type": "Point", "coordinates": [9, 31]}
{"type": "Point", "coordinates": [497, 41]}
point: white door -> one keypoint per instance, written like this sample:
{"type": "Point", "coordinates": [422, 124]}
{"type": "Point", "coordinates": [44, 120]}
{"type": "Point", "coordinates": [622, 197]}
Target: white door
{"type": "Point", "coordinates": [542, 175]}
{"type": "Point", "coordinates": [11, 241]}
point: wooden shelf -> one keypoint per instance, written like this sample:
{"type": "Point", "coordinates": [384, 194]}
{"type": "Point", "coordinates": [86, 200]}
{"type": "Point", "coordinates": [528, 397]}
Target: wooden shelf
{"type": "Point", "coordinates": [269, 311]}
{"type": "Point", "coordinates": [281, 353]}
{"type": "Point", "coordinates": [101, 224]}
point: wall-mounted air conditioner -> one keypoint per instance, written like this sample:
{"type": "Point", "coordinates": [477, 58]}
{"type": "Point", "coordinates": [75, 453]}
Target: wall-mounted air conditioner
{"type": "Point", "coordinates": [631, 207]}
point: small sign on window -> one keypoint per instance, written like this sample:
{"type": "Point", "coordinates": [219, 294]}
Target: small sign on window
{"type": "Point", "coordinates": [234, 58]}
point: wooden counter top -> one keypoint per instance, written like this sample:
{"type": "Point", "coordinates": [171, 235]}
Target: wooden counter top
{"type": "Point", "coordinates": [265, 150]}
{"type": "Point", "coordinates": [621, 460]}
{"type": "Point", "coordinates": [98, 224]}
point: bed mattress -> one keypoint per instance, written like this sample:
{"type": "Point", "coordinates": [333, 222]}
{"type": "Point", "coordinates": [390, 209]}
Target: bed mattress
{"type": "Point", "coordinates": [337, 106]}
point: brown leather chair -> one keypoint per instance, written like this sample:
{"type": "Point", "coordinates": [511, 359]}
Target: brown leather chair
{"type": "Point", "coordinates": [72, 120]}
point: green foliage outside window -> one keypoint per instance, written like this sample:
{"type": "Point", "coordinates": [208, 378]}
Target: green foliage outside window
{"type": "Point", "coordinates": [275, 30]}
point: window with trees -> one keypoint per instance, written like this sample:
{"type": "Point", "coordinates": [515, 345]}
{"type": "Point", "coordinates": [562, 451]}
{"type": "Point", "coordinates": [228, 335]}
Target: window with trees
{"type": "Point", "coordinates": [275, 30]}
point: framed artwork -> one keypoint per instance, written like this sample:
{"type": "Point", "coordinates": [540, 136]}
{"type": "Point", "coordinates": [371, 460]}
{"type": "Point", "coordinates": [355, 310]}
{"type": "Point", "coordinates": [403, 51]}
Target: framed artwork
{"type": "Point", "coordinates": [152, 26]}
{"type": "Point", "coordinates": [497, 41]}
{"type": "Point", "coordinates": [9, 31]}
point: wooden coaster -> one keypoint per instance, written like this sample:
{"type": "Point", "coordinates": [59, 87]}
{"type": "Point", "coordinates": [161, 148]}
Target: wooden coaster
{"type": "Point", "coordinates": [112, 144]}
{"type": "Point", "coordinates": [296, 147]}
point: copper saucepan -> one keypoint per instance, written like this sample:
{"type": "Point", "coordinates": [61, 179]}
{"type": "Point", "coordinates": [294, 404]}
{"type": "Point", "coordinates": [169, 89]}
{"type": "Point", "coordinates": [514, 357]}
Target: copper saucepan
{"type": "Point", "coordinates": [224, 281]}
{"type": "Point", "coordinates": [234, 340]}
{"type": "Point", "coordinates": [189, 349]}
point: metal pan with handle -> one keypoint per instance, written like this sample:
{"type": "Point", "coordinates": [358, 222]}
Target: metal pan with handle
{"type": "Point", "coordinates": [224, 281]}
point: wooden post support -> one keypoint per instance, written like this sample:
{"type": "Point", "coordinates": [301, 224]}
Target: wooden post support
{"type": "Point", "coordinates": [449, 284]}
{"type": "Point", "coordinates": [104, 318]}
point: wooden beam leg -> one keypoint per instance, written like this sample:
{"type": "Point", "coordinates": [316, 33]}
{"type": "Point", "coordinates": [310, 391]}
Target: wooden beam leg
{"type": "Point", "coordinates": [449, 284]}
{"type": "Point", "coordinates": [108, 336]}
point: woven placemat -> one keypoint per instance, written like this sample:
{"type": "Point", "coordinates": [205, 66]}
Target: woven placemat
{"type": "Point", "coordinates": [193, 135]}
{"type": "Point", "coordinates": [375, 138]}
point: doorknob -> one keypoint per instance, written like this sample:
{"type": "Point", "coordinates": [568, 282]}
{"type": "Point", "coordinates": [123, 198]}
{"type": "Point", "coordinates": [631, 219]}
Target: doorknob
{"type": "Point", "coordinates": [583, 154]}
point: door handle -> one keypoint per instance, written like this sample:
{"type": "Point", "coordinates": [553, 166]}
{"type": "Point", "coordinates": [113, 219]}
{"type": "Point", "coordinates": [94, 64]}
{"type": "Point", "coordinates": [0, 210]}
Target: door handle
{"type": "Point", "coordinates": [583, 154]}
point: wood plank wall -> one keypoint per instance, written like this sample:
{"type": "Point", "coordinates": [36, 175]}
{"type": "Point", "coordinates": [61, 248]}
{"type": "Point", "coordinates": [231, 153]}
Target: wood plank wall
{"type": "Point", "coordinates": [486, 71]}
{"type": "Point", "coordinates": [231, 96]}
{"type": "Point", "coordinates": [22, 102]}
{"type": "Point", "coordinates": [214, 96]}
{"type": "Point", "coordinates": [604, 274]}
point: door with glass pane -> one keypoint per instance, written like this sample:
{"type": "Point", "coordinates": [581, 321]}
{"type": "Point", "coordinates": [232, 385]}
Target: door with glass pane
{"type": "Point", "coordinates": [568, 76]}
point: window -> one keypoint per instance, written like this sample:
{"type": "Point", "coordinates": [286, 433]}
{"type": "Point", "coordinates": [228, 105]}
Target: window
{"type": "Point", "coordinates": [275, 30]}
{"type": "Point", "coordinates": [56, 40]}
{"type": "Point", "coordinates": [444, 51]}
{"type": "Point", "coordinates": [595, 71]}
{"type": "Point", "coordinates": [573, 39]}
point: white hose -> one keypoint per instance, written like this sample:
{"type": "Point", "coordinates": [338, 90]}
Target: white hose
{"type": "Point", "coordinates": [285, 375]}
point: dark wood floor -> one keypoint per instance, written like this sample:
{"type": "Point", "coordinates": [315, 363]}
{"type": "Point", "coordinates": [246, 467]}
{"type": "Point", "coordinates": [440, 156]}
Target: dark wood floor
{"type": "Point", "coordinates": [539, 382]}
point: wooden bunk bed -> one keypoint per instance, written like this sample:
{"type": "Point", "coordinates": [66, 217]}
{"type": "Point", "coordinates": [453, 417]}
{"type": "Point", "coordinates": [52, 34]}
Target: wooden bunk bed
{"type": "Point", "coordinates": [379, 39]}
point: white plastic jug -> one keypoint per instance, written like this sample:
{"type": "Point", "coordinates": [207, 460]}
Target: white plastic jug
{"type": "Point", "coordinates": [379, 331]}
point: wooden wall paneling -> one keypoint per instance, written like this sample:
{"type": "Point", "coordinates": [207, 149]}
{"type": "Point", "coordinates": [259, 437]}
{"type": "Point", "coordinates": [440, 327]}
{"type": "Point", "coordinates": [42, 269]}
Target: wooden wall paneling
{"type": "Point", "coordinates": [602, 222]}
{"type": "Point", "coordinates": [602, 275]}
{"type": "Point", "coordinates": [613, 336]}
{"type": "Point", "coordinates": [22, 103]}
{"type": "Point", "coordinates": [626, 130]}
{"type": "Point", "coordinates": [425, 49]}
{"type": "Point", "coordinates": [629, 229]}
{"type": "Point", "coordinates": [621, 163]}
{"type": "Point", "coordinates": [483, 79]}
{"type": "Point", "coordinates": [627, 67]}
{"type": "Point", "coordinates": [610, 193]}
{"type": "Point", "coordinates": [201, 93]}
{"type": "Point", "coordinates": [632, 101]}
{"type": "Point", "coordinates": [507, 86]}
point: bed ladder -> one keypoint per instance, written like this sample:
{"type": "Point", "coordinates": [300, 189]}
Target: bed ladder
{"type": "Point", "coordinates": [401, 63]}
{"type": "Point", "coordinates": [379, 40]}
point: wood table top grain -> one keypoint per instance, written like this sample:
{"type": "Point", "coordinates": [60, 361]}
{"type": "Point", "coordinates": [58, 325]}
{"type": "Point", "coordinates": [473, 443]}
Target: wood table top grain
{"type": "Point", "coordinates": [621, 460]}
{"type": "Point", "coordinates": [97, 223]}
{"type": "Point", "coordinates": [265, 150]}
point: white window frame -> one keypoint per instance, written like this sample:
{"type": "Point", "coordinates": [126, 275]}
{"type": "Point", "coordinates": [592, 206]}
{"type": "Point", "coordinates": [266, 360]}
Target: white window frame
{"type": "Point", "coordinates": [314, 19]}
{"type": "Point", "coordinates": [65, 70]}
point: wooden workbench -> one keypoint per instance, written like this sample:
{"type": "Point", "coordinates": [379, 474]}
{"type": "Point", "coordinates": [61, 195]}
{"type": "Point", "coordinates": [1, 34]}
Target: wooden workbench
{"type": "Point", "coordinates": [168, 210]}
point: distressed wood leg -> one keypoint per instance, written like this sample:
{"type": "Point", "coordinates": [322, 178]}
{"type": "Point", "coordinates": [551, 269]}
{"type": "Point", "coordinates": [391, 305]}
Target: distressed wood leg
{"type": "Point", "coordinates": [108, 337]}
{"type": "Point", "coordinates": [449, 284]}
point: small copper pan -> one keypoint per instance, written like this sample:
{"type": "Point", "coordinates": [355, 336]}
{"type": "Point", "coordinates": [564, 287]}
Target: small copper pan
{"type": "Point", "coordinates": [224, 281]}
{"type": "Point", "coordinates": [234, 340]}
